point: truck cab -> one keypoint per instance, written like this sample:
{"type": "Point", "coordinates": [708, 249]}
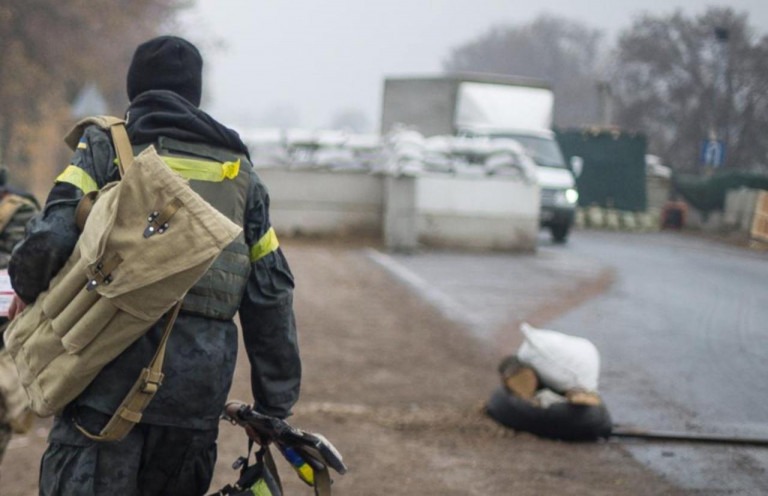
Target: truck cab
{"type": "Point", "coordinates": [559, 196]}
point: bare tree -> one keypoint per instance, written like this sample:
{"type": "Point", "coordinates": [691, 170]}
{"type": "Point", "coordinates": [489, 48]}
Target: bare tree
{"type": "Point", "coordinates": [682, 80]}
{"type": "Point", "coordinates": [49, 49]}
{"type": "Point", "coordinates": [563, 52]}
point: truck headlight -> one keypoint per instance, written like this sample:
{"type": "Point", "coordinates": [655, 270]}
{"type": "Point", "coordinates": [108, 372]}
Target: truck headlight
{"type": "Point", "coordinates": [566, 197]}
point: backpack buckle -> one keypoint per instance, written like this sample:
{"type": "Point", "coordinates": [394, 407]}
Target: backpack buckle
{"type": "Point", "coordinates": [103, 272]}
{"type": "Point", "coordinates": [158, 219]}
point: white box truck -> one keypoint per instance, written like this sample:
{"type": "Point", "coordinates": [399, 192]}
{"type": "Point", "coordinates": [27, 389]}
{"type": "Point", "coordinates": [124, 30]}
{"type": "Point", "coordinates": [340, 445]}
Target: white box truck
{"type": "Point", "coordinates": [479, 105]}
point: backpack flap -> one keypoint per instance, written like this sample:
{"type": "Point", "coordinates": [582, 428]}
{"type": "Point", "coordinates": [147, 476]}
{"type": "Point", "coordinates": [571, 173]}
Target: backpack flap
{"type": "Point", "coordinates": [151, 229]}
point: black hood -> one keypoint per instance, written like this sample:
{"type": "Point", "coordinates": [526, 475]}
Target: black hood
{"type": "Point", "coordinates": [158, 113]}
{"type": "Point", "coordinates": [166, 63]}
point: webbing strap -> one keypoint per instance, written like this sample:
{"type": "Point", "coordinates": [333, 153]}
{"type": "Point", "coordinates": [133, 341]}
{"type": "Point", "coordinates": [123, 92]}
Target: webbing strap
{"type": "Point", "coordinates": [116, 127]}
{"type": "Point", "coordinates": [129, 412]}
{"type": "Point", "coordinates": [269, 461]}
{"type": "Point", "coordinates": [322, 475]}
{"type": "Point", "coordinates": [123, 150]}
{"type": "Point", "coordinates": [84, 207]}
{"type": "Point", "coordinates": [322, 478]}
{"type": "Point", "coordinates": [122, 146]}
{"type": "Point", "coordinates": [322, 482]}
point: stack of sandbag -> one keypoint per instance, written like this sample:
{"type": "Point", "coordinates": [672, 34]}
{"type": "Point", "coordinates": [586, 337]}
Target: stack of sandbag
{"type": "Point", "coordinates": [550, 388]}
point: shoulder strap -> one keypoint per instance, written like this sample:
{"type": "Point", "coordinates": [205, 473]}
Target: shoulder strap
{"type": "Point", "coordinates": [116, 127]}
{"type": "Point", "coordinates": [129, 412]}
{"type": "Point", "coordinates": [122, 146]}
{"type": "Point", "coordinates": [123, 150]}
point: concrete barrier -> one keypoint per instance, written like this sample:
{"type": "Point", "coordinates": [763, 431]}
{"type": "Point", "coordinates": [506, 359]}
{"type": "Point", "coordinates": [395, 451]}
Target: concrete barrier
{"type": "Point", "coordinates": [483, 212]}
{"type": "Point", "coordinates": [740, 208]}
{"type": "Point", "coordinates": [324, 202]}
{"type": "Point", "coordinates": [437, 209]}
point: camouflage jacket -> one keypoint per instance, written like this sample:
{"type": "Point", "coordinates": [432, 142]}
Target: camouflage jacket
{"type": "Point", "coordinates": [14, 227]}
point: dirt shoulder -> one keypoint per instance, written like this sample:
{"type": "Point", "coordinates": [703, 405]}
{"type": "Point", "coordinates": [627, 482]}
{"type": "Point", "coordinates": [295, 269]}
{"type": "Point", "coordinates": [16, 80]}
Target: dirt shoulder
{"type": "Point", "coordinates": [399, 390]}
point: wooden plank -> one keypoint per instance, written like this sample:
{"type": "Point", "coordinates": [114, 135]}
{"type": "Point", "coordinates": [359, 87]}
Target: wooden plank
{"type": "Point", "coordinates": [759, 229]}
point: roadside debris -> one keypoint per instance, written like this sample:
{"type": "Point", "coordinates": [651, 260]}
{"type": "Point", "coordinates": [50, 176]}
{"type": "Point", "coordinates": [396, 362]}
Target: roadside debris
{"type": "Point", "coordinates": [550, 388]}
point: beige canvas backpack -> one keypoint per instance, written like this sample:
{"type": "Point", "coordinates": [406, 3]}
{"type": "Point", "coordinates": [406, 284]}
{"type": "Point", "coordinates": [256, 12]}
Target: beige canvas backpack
{"type": "Point", "coordinates": [147, 239]}
{"type": "Point", "coordinates": [16, 411]}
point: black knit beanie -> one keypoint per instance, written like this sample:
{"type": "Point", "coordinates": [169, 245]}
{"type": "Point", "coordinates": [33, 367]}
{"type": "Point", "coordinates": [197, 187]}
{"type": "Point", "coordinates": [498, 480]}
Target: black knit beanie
{"type": "Point", "coordinates": [166, 63]}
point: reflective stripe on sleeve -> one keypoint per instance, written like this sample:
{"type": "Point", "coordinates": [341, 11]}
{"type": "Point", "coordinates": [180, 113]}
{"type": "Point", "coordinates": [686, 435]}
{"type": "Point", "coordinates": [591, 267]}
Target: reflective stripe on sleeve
{"type": "Point", "coordinates": [266, 245]}
{"type": "Point", "coordinates": [203, 170]}
{"type": "Point", "coordinates": [78, 178]}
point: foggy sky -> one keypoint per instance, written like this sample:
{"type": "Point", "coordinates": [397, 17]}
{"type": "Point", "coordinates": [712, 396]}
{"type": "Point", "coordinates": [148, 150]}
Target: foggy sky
{"type": "Point", "coordinates": [304, 61]}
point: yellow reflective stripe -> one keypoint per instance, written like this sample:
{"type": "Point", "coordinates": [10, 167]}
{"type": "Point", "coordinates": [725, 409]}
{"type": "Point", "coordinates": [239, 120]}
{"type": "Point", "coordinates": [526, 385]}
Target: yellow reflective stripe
{"type": "Point", "coordinates": [78, 178]}
{"type": "Point", "coordinates": [260, 488]}
{"type": "Point", "coordinates": [266, 245]}
{"type": "Point", "coordinates": [82, 145]}
{"type": "Point", "coordinates": [203, 170]}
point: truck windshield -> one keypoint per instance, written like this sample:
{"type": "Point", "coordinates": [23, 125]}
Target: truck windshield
{"type": "Point", "coordinates": [543, 151]}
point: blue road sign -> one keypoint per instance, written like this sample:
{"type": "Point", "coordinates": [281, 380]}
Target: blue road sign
{"type": "Point", "coordinates": [712, 153]}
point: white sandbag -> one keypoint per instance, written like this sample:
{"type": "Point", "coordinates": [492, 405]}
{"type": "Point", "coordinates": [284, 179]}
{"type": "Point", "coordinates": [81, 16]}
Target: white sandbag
{"type": "Point", "coordinates": [561, 361]}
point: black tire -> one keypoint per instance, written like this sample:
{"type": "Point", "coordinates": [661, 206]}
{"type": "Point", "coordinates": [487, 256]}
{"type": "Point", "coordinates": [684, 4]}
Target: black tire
{"type": "Point", "coordinates": [560, 421]}
{"type": "Point", "coordinates": [560, 232]}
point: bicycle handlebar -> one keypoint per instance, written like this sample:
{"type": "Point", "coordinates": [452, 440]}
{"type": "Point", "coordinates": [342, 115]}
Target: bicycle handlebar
{"type": "Point", "coordinates": [315, 448]}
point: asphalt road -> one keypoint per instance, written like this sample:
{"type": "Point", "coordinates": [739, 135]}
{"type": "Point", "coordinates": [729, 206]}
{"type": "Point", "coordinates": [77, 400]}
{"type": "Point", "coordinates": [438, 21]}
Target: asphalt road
{"type": "Point", "coordinates": [683, 334]}
{"type": "Point", "coordinates": [682, 330]}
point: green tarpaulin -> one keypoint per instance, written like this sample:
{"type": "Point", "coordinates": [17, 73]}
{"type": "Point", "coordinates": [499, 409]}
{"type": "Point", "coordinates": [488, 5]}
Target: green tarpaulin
{"type": "Point", "coordinates": [614, 167]}
{"type": "Point", "coordinates": [707, 193]}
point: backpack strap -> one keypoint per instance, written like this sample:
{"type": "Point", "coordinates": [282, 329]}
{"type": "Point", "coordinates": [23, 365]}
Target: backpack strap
{"type": "Point", "coordinates": [116, 128]}
{"type": "Point", "coordinates": [83, 209]}
{"type": "Point", "coordinates": [123, 150]}
{"type": "Point", "coordinates": [129, 412]}
{"type": "Point", "coordinates": [122, 146]}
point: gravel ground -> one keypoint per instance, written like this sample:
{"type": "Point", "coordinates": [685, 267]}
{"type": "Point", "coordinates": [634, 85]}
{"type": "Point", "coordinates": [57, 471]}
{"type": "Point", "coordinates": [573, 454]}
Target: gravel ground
{"type": "Point", "coordinates": [399, 389]}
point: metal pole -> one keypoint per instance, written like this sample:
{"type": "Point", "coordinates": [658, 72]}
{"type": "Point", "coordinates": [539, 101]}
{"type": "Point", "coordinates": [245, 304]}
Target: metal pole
{"type": "Point", "coordinates": [629, 432]}
{"type": "Point", "coordinates": [721, 36]}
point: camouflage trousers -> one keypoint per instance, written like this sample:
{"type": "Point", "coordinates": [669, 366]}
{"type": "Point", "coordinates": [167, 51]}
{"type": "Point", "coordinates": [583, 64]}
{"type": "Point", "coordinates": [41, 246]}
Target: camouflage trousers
{"type": "Point", "coordinates": [151, 460]}
{"type": "Point", "coordinates": [5, 429]}
{"type": "Point", "coordinates": [5, 438]}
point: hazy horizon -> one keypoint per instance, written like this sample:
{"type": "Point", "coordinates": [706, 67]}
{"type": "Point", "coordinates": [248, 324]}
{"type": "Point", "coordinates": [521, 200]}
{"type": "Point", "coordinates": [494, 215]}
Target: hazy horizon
{"type": "Point", "coordinates": [303, 62]}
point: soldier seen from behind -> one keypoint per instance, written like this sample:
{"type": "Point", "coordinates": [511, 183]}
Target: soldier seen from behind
{"type": "Point", "coordinates": [172, 451]}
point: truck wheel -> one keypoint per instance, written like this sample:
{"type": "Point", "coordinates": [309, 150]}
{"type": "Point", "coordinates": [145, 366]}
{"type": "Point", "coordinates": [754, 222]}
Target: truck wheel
{"type": "Point", "coordinates": [560, 232]}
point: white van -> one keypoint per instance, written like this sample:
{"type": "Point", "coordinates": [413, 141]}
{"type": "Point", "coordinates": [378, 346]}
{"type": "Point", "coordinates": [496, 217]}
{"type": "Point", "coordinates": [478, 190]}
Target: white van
{"type": "Point", "coordinates": [559, 196]}
{"type": "Point", "coordinates": [493, 106]}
